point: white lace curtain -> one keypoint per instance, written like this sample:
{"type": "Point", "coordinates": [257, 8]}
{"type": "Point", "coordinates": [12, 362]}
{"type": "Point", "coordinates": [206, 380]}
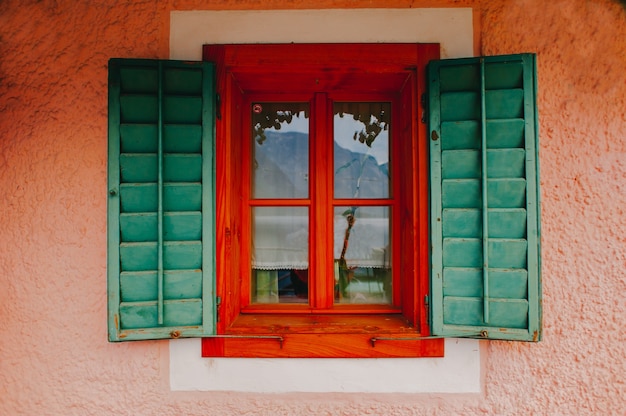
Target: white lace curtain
{"type": "Point", "coordinates": [282, 241]}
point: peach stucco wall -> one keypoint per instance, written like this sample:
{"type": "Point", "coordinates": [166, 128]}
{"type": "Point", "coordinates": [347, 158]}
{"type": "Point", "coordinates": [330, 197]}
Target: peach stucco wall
{"type": "Point", "coordinates": [54, 357]}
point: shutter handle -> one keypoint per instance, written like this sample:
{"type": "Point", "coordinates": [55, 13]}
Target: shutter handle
{"type": "Point", "coordinates": [113, 191]}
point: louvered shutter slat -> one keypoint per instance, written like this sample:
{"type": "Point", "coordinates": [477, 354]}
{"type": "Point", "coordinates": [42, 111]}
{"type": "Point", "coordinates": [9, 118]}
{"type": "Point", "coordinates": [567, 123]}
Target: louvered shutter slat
{"type": "Point", "coordinates": [161, 185]}
{"type": "Point", "coordinates": [485, 278]}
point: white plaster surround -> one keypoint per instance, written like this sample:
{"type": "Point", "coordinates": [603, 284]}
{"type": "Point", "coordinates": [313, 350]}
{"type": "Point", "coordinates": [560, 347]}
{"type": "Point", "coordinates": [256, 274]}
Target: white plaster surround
{"type": "Point", "coordinates": [459, 370]}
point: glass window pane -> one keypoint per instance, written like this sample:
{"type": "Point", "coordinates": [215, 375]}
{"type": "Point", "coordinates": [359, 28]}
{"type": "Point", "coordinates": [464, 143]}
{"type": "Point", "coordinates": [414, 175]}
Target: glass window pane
{"type": "Point", "coordinates": [280, 254]}
{"type": "Point", "coordinates": [361, 149]}
{"type": "Point", "coordinates": [362, 255]}
{"type": "Point", "coordinates": [280, 164]}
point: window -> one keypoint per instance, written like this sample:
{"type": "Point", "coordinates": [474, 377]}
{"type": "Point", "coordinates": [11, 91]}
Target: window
{"type": "Point", "coordinates": [313, 238]}
{"type": "Point", "coordinates": [320, 181]}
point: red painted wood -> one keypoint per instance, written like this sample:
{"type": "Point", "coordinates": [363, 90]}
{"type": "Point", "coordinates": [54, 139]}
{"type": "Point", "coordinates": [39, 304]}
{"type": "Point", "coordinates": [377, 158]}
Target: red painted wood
{"type": "Point", "coordinates": [427, 53]}
{"type": "Point", "coordinates": [322, 73]}
{"type": "Point", "coordinates": [324, 346]}
{"type": "Point", "coordinates": [321, 279]}
{"type": "Point", "coordinates": [213, 347]}
{"type": "Point", "coordinates": [406, 193]}
{"type": "Point", "coordinates": [322, 336]}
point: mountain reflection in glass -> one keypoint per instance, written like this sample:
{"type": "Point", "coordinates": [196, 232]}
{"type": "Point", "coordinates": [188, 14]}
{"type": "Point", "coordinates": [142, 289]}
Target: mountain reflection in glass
{"type": "Point", "coordinates": [280, 234]}
{"type": "Point", "coordinates": [361, 149]}
{"type": "Point", "coordinates": [280, 133]}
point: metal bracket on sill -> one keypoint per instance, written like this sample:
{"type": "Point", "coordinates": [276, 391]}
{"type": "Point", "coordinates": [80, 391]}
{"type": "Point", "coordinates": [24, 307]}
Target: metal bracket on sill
{"type": "Point", "coordinates": [479, 335]}
{"type": "Point", "coordinates": [276, 337]}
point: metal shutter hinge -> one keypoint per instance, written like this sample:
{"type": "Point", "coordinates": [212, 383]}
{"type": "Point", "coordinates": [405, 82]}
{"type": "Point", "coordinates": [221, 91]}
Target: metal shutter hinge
{"type": "Point", "coordinates": [218, 106]}
{"type": "Point", "coordinates": [218, 303]}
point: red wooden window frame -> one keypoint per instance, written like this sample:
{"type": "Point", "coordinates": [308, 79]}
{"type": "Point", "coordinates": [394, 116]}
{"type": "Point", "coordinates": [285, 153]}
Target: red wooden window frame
{"type": "Point", "coordinates": [246, 72]}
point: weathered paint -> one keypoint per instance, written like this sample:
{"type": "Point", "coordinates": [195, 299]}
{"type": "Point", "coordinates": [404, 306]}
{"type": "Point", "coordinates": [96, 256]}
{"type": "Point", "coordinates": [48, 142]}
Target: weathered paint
{"type": "Point", "coordinates": [54, 355]}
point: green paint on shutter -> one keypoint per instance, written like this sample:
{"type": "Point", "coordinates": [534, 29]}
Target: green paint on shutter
{"type": "Point", "coordinates": [485, 278]}
{"type": "Point", "coordinates": [160, 208]}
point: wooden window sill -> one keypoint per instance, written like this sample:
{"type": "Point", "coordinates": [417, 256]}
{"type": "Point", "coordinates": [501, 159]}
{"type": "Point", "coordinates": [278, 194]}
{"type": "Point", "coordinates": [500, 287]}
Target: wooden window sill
{"type": "Point", "coordinates": [321, 336]}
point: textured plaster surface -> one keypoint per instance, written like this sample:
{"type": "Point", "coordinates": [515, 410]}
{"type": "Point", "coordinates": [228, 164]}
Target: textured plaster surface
{"type": "Point", "coordinates": [54, 357]}
{"type": "Point", "coordinates": [459, 370]}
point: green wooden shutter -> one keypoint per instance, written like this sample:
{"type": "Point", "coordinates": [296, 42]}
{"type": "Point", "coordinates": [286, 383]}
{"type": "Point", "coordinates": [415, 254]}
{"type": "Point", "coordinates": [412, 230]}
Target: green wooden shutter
{"type": "Point", "coordinates": [160, 205]}
{"type": "Point", "coordinates": [485, 278]}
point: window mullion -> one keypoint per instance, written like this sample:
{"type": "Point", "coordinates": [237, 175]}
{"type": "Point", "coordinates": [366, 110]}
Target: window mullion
{"type": "Point", "coordinates": [322, 279]}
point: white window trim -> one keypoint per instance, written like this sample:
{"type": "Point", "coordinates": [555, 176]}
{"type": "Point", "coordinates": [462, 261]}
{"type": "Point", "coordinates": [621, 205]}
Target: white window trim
{"type": "Point", "coordinates": [459, 370]}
